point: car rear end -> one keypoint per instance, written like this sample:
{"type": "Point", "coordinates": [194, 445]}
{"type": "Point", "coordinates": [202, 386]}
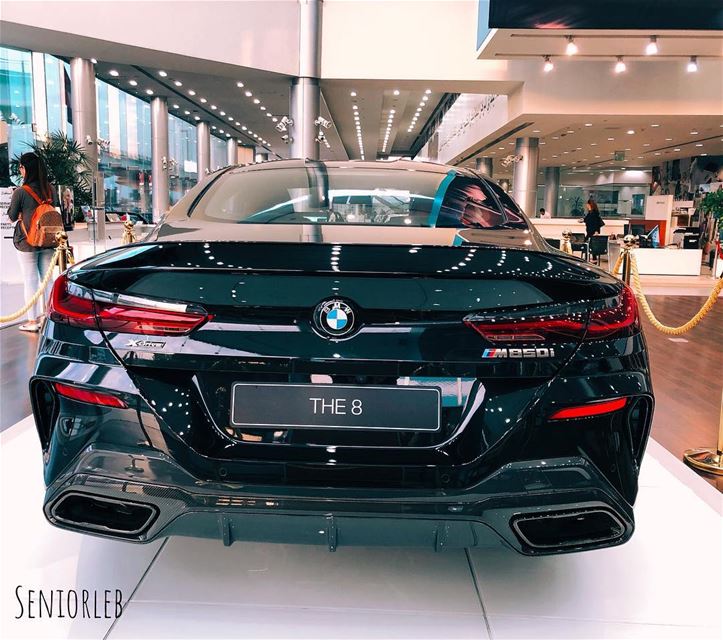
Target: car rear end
{"type": "Point", "coordinates": [477, 391]}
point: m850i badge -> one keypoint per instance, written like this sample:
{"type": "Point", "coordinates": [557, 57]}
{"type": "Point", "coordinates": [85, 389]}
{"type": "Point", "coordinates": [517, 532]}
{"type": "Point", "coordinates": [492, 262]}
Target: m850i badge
{"type": "Point", "coordinates": [146, 344]}
{"type": "Point", "coordinates": [542, 352]}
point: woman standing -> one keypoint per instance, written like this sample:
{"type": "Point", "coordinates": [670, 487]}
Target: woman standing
{"type": "Point", "coordinates": [593, 220]}
{"type": "Point", "coordinates": [34, 262]}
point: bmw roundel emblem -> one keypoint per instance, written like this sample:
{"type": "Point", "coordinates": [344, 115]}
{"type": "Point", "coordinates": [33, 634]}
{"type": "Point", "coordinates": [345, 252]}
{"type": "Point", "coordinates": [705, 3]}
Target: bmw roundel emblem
{"type": "Point", "coordinates": [334, 318]}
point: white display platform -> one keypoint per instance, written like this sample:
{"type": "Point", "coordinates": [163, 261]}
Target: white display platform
{"type": "Point", "coordinates": [553, 227]}
{"type": "Point", "coordinates": [664, 583]}
{"type": "Point", "coordinates": [669, 262]}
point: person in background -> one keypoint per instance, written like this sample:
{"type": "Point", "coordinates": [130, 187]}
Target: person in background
{"type": "Point", "coordinates": [67, 207]}
{"type": "Point", "coordinates": [543, 213]}
{"type": "Point", "coordinates": [34, 262]}
{"type": "Point", "coordinates": [593, 221]}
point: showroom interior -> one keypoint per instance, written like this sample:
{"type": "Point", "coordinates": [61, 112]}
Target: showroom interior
{"type": "Point", "coordinates": [560, 104]}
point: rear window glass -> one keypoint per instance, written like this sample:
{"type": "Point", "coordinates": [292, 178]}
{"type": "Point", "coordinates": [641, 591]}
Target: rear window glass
{"type": "Point", "coordinates": [316, 194]}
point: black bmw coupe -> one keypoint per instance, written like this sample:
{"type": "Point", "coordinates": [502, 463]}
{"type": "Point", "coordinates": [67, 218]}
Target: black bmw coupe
{"type": "Point", "coordinates": [344, 353]}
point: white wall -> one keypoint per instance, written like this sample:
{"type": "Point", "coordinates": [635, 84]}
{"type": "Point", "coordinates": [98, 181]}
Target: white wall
{"type": "Point", "coordinates": [260, 34]}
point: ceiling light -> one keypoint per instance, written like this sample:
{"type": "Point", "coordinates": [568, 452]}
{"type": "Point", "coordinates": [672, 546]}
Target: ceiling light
{"type": "Point", "coordinates": [197, 118]}
{"type": "Point", "coordinates": [571, 48]}
{"type": "Point", "coordinates": [191, 92]}
{"type": "Point", "coordinates": [257, 101]}
{"type": "Point", "coordinates": [248, 94]}
{"type": "Point", "coordinates": [262, 107]}
{"type": "Point", "coordinates": [133, 83]}
{"type": "Point", "coordinates": [274, 119]}
{"type": "Point", "coordinates": [175, 106]}
{"type": "Point", "coordinates": [352, 94]}
{"type": "Point", "coordinates": [694, 133]}
{"type": "Point", "coordinates": [668, 139]}
{"type": "Point", "coordinates": [214, 107]}
{"type": "Point", "coordinates": [535, 131]}
{"type": "Point", "coordinates": [228, 135]}
{"type": "Point", "coordinates": [268, 114]}
{"type": "Point", "coordinates": [631, 132]}
{"type": "Point", "coordinates": [149, 92]}
{"type": "Point", "coordinates": [692, 64]}
{"type": "Point", "coordinates": [424, 98]}
{"type": "Point", "coordinates": [223, 113]}
{"type": "Point", "coordinates": [220, 130]}
{"type": "Point", "coordinates": [163, 74]}
{"type": "Point", "coordinates": [237, 123]}
{"type": "Point", "coordinates": [652, 47]}
{"type": "Point", "coordinates": [187, 112]}
{"type": "Point", "coordinates": [676, 149]}
{"type": "Point", "coordinates": [699, 144]}
{"type": "Point", "coordinates": [548, 66]}
{"type": "Point", "coordinates": [611, 139]}
{"type": "Point", "coordinates": [354, 107]}
{"type": "Point", "coordinates": [178, 83]}
{"type": "Point", "coordinates": [421, 104]}
{"type": "Point", "coordinates": [230, 118]}
{"type": "Point", "coordinates": [396, 92]}
{"type": "Point", "coordinates": [203, 101]}
{"type": "Point", "coordinates": [94, 61]}
{"type": "Point", "coordinates": [114, 73]}
{"type": "Point", "coordinates": [243, 128]}
{"type": "Point", "coordinates": [240, 85]}
{"type": "Point", "coordinates": [647, 144]}
{"type": "Point", "coordinates": [588, 124]}
{"type": "Point", "coordinates": [654, 125]}
{"type": "Point", "coordinates": [620, 66]}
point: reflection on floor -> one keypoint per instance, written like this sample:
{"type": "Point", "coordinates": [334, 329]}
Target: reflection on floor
{"type": "Point", "coordinates": [186, 588]}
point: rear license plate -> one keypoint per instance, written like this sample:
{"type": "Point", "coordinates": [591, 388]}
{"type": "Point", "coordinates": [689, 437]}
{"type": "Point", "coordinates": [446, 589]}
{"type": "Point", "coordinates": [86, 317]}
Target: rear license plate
{"type": "Point", "coordinates": [313, 406]}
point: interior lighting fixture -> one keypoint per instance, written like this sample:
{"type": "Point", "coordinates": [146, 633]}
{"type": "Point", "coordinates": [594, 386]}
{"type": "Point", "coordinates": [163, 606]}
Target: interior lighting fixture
{"type": "Point", "coordinates": [651, 48]}
{"type": "Point", "coordinates": [213, 107]}
{"type": "Point", "coordinates": [571, 48]}
{"type": "Point", "coordinates": [113, 73]}
{"type": "Point", "coordinates": [620, 66]}
{"type": "Point", "coordinates": [692, 64]}
{"type": "Point", "coordinates": [262, 107]}
{"type": "Point", "coordinates": [548, 66]}
{"type": "Point", "coordinates": [149, 92]}
{"type": "Point", "coordinates": [694, 133]}
{"type": "Point", "coordinates": [676, 149]}
{"type": "Point", "coordinates": [133, 83]}
{"type": "Point", "coordinates": [588, 124]}
{"type": "Point", "coordinates": [191, 92]}
{"type": "Point", "coordinates": [203, 101]}
{"type": "Point", "coordinates": [654, 125]}
{"type": "Point", "coordinates": [631, 132]}
{"type": "Point", "coordinates": [421, 104]}
{"type": "Point", "coordinates": [196, 118]}
{"type": "Point", "coordinates": [223, 113]}
{"type": "Point", "coordinates": [257, 101]}
{"type": "Point", "coordinates": [163, 74]}
{"type": "Point", "coordinates": [248, 94]}
{"type": "Point", "coordinates": [178, 83]}
{"type": "Point", "coordinates": [175, 106]}
{"type": "Point", "coordinates": [396, 92]}
{"type": "Point", "coordinates": [94, 61]}
{"type": "Point", "coordinates": [352, 94]}
{"type": "Point", "coordinates": [240, 85]}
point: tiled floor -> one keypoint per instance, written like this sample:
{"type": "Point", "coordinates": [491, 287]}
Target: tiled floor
{"type": "Point", "coordinates": [186, 588]}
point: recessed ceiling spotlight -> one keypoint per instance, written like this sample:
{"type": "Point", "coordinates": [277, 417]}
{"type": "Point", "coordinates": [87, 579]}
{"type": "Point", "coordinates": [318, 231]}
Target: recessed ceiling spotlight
{"type": "Point", "coordinates": [186, 112]}
{"type": "Point", "coordinates": [647, 144]}
{"type": "Point", "coordinates": [676, 149]}
{"type": "Point", "coordinates": [203, 101]}
{"type": "Point", "coordinates": [424, 98]}
{"type": "Point", "coordinates": [588, 124]}
{"type": "Point", "coordinates": [257, 101]}
{"type": "Point", "coordinates": [611, 139]}
{"type": "Point", "coordinates": [223, 113]}
{"type": "Point", "coordinates": [352, 94]}
{"type": "Point", "coordinates": [548, 65]}
{"type": "Point", "coordinates": [213, 127]}
{"type": "Point", "coordinates": [694, 133]}
{"type": "Point", "coordinates": [191, 92]}
{"type": "Point", "coordinates": [692, 64]}
{"type": "Point", "coordinates": [176, 106]}
{"type": "Point", "coordinates": [240, 85]}
{"type": "Point", "coordinates": [535, 131]}
{"type": "Point", "coordinates": [228, 135]}
{"type": "Point", "coordinates": [230, 118]}
{"type": "Point", "coordinates": [220, 130]}
{"type": "Point", "coordinates": [699, 144]}
{"type": "Point", "coordinates": [163, 74]}
{"type": "Point", "coordinates": [113, 73]}
{"type": "Point", "coordinates": [668, 139]}
{"type": "Point", "coordinates": [237, 123]}
{"type": "Point", "coordinates": [94, 61]}
{"type": "Point", "coordinates": [396, 92]}
{"type": "Point", "coordinates": [262, 107]}
{"type": "Point", "coordinates": [631, 132]}
{"type": "Point", "coordinates": [149, 92]}
{"type": "Point", "coordinates": [655, 125]}
{"type": "Point", "coordinates": [268, 114]}
{"type": "Point", "coordinates": [620, 66]}
{"type": "Point", "coordinates": [421, 104]}
{"type": "Point", "coordinates": [651, 48]}
{"type": "Point", "coordinates": [274, 119]}
{"type": "Point", "coordinates": [243, 128]}
{"type": "Point", "coordinates": [213, 107]}
{"type": "Point", "coordinates": [248, 94]}
{"type": "Point", "coordinates": [571, 48]}
{"type": "Point", "coordinates": [133, 83]}
{"type": "Point", "coordinates": [196, 118]}
{"type": "Point", "coordinates": [178, 83]}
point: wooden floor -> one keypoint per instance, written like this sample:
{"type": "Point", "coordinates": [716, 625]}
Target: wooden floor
{"type": "Point", "coordinates": [687, 376]}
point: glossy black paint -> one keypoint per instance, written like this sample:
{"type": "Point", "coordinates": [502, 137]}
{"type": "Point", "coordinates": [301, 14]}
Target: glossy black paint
{"type": "Point", "coordinates": [496, 457]}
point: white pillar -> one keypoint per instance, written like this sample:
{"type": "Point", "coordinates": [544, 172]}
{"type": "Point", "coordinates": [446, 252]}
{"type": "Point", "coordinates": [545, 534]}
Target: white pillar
{"type": "Point", "coordinates": [159, 156]}
{"type": "Point", "coordinates": [524, 177]}
{"type": "Point", "coordinates": [484, 166]}
{"type": "Point", "coordinates": [231, 152]}
{"type": "Point", "coordinates": [83, 106]}
{"type": "Point", "coordinates": [552, 189]}
{"type": "Point", "coordinates": [203, 149]}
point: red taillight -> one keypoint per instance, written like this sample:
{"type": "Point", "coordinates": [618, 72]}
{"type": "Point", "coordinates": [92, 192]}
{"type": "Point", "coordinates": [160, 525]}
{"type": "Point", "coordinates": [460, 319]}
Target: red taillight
{"type": "Point", "coordinates": [590, 409]}
{"type": "Point", "coordinates": [613, 321]}
{"type": "Point", "coordinates": [72, 304]}
{"type": "Point", "coordinates": [622, 319]}
{"type": "Point", "coordinates": [150, 322]}
{"type": "Point", "coordinates": [90, 397]}
{"type": "Point", "coordinates": [68, 308]}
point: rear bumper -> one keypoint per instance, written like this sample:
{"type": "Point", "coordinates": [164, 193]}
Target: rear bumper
{"type": "Point", "coordinates": [555, 505]}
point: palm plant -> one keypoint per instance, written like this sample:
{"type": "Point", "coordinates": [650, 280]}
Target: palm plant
{"type": "Point", "coordinates": [66, 162]}
{"type": "Point", "coordinates": [713, 203]}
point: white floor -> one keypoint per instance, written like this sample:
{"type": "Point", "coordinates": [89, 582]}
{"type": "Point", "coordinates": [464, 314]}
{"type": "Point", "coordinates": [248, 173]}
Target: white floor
{"type": "Point", "coordinates": [665, 583]}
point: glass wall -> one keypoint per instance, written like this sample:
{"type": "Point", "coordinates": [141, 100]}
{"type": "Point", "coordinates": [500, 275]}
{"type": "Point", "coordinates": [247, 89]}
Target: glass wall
{"type": "Point", "coordinates": [124, 125]}
{"type": "Point", "coordinates": [218, 153]}
{"type": "Point", "coordinates": [183, 167]}
{"type": "Point", "coordinates": [57, 92]}
{"type": "Point", "coordinates": [16, 107]}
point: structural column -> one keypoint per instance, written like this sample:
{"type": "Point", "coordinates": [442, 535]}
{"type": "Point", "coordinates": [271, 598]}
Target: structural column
{"type": "Point", "coordinates": [305, 92]}
{"type": "Point", "coordinates": [159, 156]}
{"type": "Point", "coordinates": [484, 166]}
{"type": "Point", "coordinates": [203, 149]}
{"type": "Point", "coordinates": [83, 106]}
{"type": "Point", "coordinates": [524, 176]}
{"type": "Point", "coordinates": [552, 189]}
{"type": "Point", "coordinates": [231, 152]}
{"type": "Point", "coordinates": [261, 156]}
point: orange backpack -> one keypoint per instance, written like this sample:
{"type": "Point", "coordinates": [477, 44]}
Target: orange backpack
{"type": "Point", "coordinates": [45, 222]}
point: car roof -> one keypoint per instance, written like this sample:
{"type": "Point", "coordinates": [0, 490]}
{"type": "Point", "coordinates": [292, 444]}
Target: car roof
{"type": "Point", "coordinates": [391, 165]}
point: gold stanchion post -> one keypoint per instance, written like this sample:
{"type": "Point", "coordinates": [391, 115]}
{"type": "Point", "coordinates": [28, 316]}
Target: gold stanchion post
{"type": "Point", "coordinates": [128, 236]}
{"type": "Point", "coordinates": [62, 239]}
{"type": "Point", "coordinates": [709, 460]}
{"type": "Point", "coordinates": [566, 245]}
{"type": "Point", "coordinates": [628, 245]}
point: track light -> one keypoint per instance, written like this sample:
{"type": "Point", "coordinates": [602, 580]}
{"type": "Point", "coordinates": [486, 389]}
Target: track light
{"type": "Point", "coordinates": [548, 66]}
{"type": "Point", "coordinates": [620, 66]}
{"type": "Point", "coordinates": [652, 47]}
{"type": "Point", "coordinates": [692, 64]}
{"type": "Point", "coordinates": [571, 48]}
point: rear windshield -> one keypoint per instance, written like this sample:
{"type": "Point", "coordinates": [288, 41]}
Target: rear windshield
{"type": "Point", "coordinates": [316, 194]}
